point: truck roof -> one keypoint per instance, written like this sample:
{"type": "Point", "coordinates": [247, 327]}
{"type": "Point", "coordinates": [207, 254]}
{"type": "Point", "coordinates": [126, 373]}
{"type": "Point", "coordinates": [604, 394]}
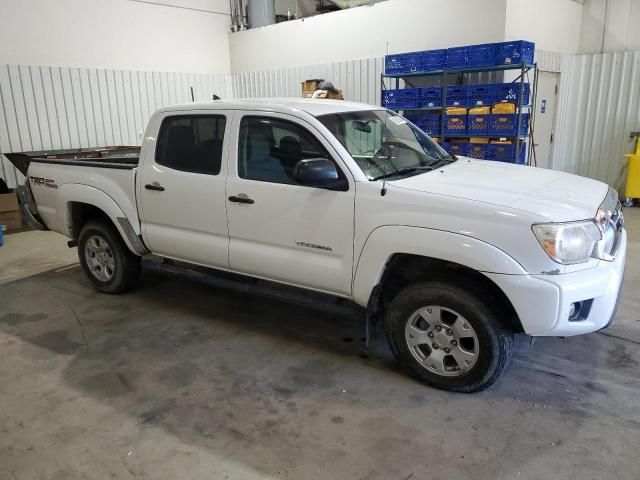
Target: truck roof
{"type": "Point", "coordinates": [313, 106]}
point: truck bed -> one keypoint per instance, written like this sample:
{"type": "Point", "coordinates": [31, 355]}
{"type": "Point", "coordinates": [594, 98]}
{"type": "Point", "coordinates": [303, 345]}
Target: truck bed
{"type": "Point", "coordinates": [120, 157]}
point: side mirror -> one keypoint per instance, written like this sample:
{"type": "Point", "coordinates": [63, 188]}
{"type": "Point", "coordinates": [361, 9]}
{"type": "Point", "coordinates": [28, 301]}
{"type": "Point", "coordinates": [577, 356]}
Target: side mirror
{"type": "Point", "coordinates": [319, 173]}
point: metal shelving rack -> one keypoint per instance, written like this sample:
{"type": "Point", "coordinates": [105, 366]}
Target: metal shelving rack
{"type": "Point", "coordinates": [525, 69]}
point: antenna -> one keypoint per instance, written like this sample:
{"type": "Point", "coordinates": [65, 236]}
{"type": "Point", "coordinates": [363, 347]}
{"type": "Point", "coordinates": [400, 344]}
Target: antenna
{"type": "Point", "coordinates": [192, 97]}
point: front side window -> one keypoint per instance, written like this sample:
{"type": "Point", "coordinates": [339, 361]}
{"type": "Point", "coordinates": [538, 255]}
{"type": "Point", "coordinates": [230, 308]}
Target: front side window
{"type": "Point", "coordinates": [384, 144]}
{"type": "Point", "coordinates": [270, 148]}
{"type": "Point", "coordinates": [191, 143]}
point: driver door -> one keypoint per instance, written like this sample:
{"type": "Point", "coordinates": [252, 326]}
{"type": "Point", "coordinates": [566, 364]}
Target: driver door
{"type": "Point", "coordinates": [279, 229]}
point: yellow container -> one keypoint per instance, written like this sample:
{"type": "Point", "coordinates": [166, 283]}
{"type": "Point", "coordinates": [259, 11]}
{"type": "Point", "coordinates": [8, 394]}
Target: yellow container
{"type": "Point", "coordinates": [478, 140]}
{"type": "Point", "coordinates": [632, 189]}
{"type": "Point", "coordinates": [504, 108]}
{"type": "Point", "coordinates": [480, 111]}
{"type": "Point", "coordinates": [456, 111]}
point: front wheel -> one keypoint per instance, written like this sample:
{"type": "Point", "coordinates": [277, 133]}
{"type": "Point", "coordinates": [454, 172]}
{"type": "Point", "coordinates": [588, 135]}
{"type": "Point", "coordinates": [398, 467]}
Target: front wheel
{"type": "Point", "coordinates": [447, 337]}
{"type": "Point", "coordinates": [105, 258]}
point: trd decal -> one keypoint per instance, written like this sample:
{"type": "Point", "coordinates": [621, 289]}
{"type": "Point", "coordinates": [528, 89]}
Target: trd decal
{"type": "Point", "coordinates": [43, 182]}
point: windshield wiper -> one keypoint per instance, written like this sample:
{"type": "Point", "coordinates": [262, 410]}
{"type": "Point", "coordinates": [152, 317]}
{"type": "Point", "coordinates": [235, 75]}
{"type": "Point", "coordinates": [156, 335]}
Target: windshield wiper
{"type": "Point", "coordinates": [449, 158]}
{"type": "Point", "coordinates": [402, 171]}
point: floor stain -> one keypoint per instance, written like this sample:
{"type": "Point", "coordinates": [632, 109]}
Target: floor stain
{"type": "Point", "coordinates": [619, 357]}
{"type": "Point", "coordinates": [57, 341]}
{"type": "Point", "coordinates": [19, 318]}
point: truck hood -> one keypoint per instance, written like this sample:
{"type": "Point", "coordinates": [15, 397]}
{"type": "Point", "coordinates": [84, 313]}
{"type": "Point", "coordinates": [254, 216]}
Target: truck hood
{"type": "Point", "coordinates": [556, 196]}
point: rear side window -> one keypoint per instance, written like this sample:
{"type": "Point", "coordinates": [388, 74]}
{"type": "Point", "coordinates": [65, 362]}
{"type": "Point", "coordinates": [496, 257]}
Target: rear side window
{"type": "Point", "coordinates": [191, 143]}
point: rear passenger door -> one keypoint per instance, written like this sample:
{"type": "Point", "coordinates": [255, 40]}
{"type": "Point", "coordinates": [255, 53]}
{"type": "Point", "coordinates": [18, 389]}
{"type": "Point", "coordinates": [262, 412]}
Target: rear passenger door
{"type": "Point", "coordinates": [181, 187]}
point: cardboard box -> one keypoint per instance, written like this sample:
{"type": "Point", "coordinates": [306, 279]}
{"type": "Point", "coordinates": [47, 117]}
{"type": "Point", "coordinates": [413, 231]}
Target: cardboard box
{"type": "Point", "coordinates": [329, 94]}
{"type": "Point", "coordinates": [11, 220]}
{"type": "Point", "coordinates": [10, 211]}
{"type": "Point", "coordinates": [310, 86]}
{"type": "Point", "coordinates": [8, 202]}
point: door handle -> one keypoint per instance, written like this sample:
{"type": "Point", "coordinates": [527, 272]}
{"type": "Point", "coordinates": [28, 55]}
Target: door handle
{"type": "Point", "coordinates": [235, 199]}
{"type": "Point", "coordinates": [154, 186]}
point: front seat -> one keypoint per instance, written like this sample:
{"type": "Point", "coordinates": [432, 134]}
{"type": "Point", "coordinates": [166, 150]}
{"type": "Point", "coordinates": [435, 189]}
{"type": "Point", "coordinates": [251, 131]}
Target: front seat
{"type": "Point", "coordinates": [260, 164]}
{"type": "Point", "coordinates": [290, 153]}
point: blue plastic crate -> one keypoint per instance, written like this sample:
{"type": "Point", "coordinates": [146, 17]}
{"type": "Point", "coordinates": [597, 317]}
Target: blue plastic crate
{"type": "Point", "coordinates": [480, 95]}
{"type": "Point", "coordinates": [507, 153]}
{"type": "Point", "coordinates": [479, 150]}
{"type": "Point", "coordinates": [510, 92]}
{"type": "Point", "coordinates": [401, 98]}
{"type": "Point", "coordinates": [478, 124]}
{"type": "Point", "coordinates": [506, 124]}
{"type": "Point", "coordinates": [457, 57]}
{"type": "Point", "coordinates": [434, 60]}
{"type": "Point", "coordinates": [457, 96]}
{"type": "Point", "coordinates": [455, 124]}
{"type": "Point", "coordinates": [403, 62]}
{"type": "Point", "coordinates": [427, 122]}
{"type": "Point", "coordinates": [510, 53]}
{"type": "Point", "coordinates": [430, 123]}
{"type": "Point", "coordinates": [456, 148]}
{"type": "Point", "coordinates": [431, 97]}
{"type": "Point", "coordinates": [483, 55]}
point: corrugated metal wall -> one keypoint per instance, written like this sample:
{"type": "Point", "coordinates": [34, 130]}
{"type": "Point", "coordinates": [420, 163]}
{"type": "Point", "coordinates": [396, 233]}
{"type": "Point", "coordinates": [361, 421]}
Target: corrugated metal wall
{"type": "Point", "coordinates": [44, 108]}
{"type": "Point", "coordinates": [599, 105]}
{"type": "Point", "coordinates": [52, 108]}
{"type": "Point", "coordinates": [358, 79]}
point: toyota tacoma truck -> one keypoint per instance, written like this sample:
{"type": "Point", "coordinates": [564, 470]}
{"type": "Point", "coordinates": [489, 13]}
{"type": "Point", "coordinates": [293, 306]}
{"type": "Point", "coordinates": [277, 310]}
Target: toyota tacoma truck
{"type": "Point", "coordinates": [451, 256]}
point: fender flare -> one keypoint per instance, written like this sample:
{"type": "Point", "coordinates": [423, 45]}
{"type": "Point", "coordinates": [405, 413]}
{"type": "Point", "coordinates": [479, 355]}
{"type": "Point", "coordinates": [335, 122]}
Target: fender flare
{"type": "Point", "coordinates": [386, 241]}
{"type": "Point", "coordinates": [76, 192]}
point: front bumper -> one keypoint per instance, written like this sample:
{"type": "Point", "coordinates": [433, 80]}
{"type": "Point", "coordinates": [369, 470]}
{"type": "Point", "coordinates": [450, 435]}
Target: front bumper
{"type": "Point", "coordinates": [543, 302]}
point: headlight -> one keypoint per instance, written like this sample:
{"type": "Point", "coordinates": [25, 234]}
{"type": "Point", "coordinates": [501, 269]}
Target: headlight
{"type": "Point", "coordinates": [568, 243]}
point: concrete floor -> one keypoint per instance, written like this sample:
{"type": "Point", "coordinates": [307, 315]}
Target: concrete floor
{"type": "Point", "coordinates": [189, 377]}
{"type": "Point", "coordinates": [27, 253]}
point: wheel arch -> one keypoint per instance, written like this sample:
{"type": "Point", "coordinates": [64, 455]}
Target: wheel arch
{"type": "Point", "coordinates": [82, 203]}
{"type": "Point", "coordinates": [394, 257]}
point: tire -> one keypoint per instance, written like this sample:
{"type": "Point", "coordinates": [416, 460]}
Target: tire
{"type": "Point", "coordinates": [107, 261]}
{"type": "Point", "coordinates": [414, 316]}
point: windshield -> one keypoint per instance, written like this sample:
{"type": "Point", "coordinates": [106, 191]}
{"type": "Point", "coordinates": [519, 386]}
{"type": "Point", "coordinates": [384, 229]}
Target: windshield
{"type": "Point", "coordinates": [384, 144]}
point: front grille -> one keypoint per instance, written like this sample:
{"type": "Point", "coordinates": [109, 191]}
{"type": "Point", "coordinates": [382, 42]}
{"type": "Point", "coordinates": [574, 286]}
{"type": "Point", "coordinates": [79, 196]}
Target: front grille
{"type": "Point", "coordinates": [611, 225]}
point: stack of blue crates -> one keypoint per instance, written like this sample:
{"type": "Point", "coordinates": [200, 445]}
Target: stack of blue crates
{"type": "Point", "coordinates": [483, 55]}
{"type": "Point", "coordinates": [492, 125]}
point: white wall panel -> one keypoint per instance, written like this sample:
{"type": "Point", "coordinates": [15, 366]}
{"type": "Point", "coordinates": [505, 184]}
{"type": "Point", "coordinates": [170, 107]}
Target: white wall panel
{"type": "Point", "coordinates": [599, 105]}
{"type": "Point", "coordinates": [51, 108]}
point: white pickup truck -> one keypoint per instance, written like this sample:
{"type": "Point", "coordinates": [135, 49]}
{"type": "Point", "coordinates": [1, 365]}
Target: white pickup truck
{"type": "Point", "coordinates": [452, 256]}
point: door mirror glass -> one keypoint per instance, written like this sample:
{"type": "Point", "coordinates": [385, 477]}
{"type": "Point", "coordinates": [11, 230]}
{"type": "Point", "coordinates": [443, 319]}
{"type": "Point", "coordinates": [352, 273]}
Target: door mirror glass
{"type": "Point", "coordinates": [319, 173]}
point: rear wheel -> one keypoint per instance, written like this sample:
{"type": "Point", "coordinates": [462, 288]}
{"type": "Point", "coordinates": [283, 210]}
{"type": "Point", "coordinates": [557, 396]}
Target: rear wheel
{"type": "Point", "coordinates": [105, 258]}
{"type": "Point", "coordinates": [447, 337]}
